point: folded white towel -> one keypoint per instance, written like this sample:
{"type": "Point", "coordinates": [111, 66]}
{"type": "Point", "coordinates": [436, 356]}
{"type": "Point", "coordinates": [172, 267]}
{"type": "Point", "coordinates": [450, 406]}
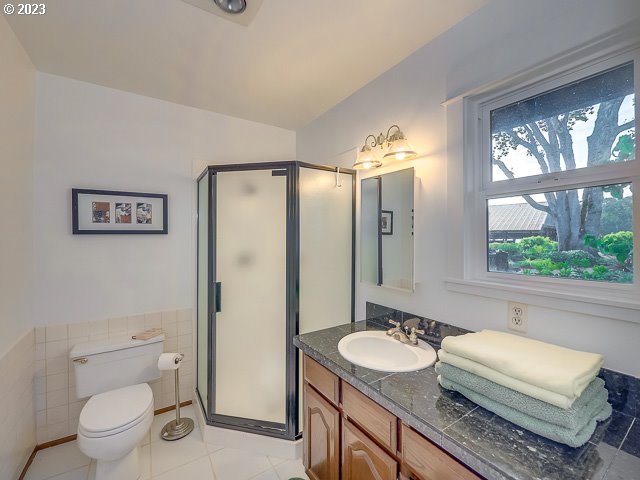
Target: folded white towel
{"type": "Point", "coordinates": [547, 396]}
{"type": "Point", "coordinates": [550, 367]}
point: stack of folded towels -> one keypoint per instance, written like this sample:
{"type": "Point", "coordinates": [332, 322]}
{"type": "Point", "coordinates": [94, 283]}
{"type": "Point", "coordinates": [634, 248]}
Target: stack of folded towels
{"type": "Point", "coordinates": [550, 390]}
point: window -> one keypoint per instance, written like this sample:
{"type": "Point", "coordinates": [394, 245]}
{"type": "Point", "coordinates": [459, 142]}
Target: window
{"type": "Point", "coordinates": [553, 204]}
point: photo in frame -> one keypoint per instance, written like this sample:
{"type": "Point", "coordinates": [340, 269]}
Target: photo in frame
{"type": "Point", "coordinates": [115, 212]}
{"type": "Point", "coordinates": [386, 222]}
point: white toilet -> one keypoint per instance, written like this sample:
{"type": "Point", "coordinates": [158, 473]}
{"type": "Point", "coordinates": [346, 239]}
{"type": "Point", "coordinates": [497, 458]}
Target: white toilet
{"type": "Point", "coordinates": [119, 414]}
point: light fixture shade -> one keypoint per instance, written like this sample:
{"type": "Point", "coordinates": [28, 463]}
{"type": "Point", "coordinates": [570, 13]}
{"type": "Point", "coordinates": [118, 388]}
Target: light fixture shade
{"type": "Point", "coordinates": [400, 150]}
{"type": "Point", "coordinates": [366, 159]}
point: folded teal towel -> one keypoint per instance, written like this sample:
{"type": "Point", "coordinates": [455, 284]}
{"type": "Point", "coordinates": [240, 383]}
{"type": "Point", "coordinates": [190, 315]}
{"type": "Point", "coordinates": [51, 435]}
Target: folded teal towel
{"type": "Point", "coordinates": [573, 418]}
{"type": "Point", "coordinates": [573, 438]}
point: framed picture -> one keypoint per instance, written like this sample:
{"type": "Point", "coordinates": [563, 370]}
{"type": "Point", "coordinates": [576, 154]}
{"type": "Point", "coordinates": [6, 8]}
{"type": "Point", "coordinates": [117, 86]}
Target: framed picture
{"type": "Point", "coordinates": [386, 222]}
{"type": "Point", "coordinates": [106, 211]}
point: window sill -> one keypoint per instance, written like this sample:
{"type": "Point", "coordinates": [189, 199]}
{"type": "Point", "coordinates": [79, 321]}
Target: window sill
{"type": "Point", "coordinates": [610, 307]}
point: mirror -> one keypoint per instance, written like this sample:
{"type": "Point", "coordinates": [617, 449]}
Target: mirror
{"type": "Point", "coordinates": [386, 230]}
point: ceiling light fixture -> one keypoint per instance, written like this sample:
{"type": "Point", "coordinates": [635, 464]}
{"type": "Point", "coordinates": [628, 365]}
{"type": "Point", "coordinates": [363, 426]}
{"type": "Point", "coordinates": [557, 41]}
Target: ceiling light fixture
{"type": "Point", "coordinates": [398, 148]}
{"type": "Point", "coordinates": [231, 6]}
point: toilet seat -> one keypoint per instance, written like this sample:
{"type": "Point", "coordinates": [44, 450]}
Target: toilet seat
{"type": "Point", "coordinates": [115, 411]}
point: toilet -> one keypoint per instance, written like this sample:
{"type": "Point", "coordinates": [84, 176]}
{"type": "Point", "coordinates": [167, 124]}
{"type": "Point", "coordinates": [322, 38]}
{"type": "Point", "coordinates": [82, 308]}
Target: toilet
{"type": "Point", "coordinates": [119, 413]}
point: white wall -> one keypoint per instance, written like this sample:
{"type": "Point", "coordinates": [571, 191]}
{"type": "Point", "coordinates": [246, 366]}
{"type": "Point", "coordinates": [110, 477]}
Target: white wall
{"type": "Point", "coordinates": [89, 136]}
{"type": "Point", "coordinates": [499, 40]}
{"type": "Point", "coordinates": [17, 112]}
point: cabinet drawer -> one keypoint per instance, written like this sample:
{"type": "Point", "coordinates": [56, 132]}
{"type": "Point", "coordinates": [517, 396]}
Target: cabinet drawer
{"type": "Point", "coordinates": [370, 416]}
{"type": "Point", "coordinates": [428, 462]}
{"type": "Point", "coordinates": [322, 379]}
{"type": "Point", "coordinates": [362, 458]}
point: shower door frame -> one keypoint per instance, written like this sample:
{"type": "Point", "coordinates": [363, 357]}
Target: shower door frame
{"type": "Point", "coordinates": [290, 430]}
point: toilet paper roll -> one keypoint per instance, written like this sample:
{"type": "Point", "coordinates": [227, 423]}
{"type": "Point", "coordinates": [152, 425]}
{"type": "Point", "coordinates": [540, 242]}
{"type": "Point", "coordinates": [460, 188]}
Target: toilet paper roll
{"type": "Point", "coordinates": [169, 361]}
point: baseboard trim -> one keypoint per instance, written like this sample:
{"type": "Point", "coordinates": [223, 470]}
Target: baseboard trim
{"type": "Point", "coordinates": [172, 407]}
{"type": "Point", "coordinates": [56, 442]}
{"type": "Point", "coordinates": [71, 438]}
{"type": "Point", "coordinates": [28, 464]}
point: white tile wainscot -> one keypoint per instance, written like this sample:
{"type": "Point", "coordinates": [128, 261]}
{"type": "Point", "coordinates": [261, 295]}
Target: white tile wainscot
{"type": "Point", "coordinates": [16, 406]}
{"type": "Point", "coordinates": [56, 405]}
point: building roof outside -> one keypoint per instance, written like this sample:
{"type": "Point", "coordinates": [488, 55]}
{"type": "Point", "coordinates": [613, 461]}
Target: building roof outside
{"type": "Point", "coordinates": [516, 217]}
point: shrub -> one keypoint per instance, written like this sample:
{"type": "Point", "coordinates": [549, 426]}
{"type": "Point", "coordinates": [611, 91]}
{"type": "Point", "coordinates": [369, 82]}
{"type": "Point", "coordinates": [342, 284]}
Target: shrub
{"type": "Point", "coordinates": [535, 247]}
{"type": "Point", "coordinates": [574, 258]}
{"type": "Point", "coordinates": [619, 277]}
{"type": "Point", "coordinates": [599, 273]}
{"type": "Point", "coordinates": [510, 248]}
{"type": "Point", "coordinates": [566, 272]}
{"type": "Point", "coordinates": [604, 274]}
{"type": "Point", "coordinates": [545, 266]}
{"type": "Point", "coordinates": [619, 244]}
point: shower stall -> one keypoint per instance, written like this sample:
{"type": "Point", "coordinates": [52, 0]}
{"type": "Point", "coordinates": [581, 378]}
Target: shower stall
{"type": "Point", "coordinates": [275, 258]}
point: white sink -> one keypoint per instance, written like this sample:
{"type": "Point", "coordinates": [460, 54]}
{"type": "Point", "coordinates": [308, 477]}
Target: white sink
{"type": "Point", "coordinates": [378, 351]}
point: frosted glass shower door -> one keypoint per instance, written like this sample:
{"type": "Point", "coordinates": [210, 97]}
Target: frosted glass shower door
{"type": "Point", "coordinates": [250, 322]}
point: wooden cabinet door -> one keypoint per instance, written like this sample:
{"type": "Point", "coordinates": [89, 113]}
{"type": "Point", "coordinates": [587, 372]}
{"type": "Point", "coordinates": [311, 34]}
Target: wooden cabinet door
{"type": "Point", "coordinates": [321, 437]}
{"type": "Point", "coordinates": [362, 459]}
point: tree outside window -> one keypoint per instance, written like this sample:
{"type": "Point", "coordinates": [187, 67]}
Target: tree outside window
{"type": "Point", "coordinates": [583, 232]}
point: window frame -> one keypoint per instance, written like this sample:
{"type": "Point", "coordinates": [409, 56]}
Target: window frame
{"type": "Point", "coordinates": [479, 188]}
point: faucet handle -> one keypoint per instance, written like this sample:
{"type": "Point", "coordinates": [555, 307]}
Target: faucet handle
{"type": "Point", "coordinates": [395, 329]}
{"type": "Point", "coordinates": [413, 337]}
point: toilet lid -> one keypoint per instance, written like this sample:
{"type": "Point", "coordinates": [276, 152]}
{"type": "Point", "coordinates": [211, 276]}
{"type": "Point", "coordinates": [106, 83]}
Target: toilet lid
{"type": "Point", "coordinates": [115, 410]}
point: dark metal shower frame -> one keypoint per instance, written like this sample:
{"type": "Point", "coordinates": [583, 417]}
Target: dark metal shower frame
{"type": "Point", "coordinates": [289, 430]}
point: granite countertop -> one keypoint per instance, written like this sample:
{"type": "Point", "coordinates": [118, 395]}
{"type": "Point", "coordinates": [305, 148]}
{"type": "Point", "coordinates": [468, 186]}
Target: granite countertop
{"type": "Point", "coordinates": [490, 445]}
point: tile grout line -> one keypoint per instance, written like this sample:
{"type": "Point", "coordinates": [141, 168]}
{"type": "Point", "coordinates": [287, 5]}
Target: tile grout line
{"type": "Point", "coordinates": [456, 421]}
{"type": "Point", "coordinates": [179, 466]}
{"type": "Point", "coordinates": [150, 455]}
{"type": "Point", "coordinates": [210, 455]}
{"type": "Point", "coordinates": [265, 471]}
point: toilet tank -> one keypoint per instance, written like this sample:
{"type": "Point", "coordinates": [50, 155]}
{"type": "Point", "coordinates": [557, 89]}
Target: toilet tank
{"type": "Point", "coordinates": [115, 363]}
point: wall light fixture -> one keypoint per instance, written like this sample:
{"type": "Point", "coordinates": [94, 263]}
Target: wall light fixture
{"type": "Point", "coordinates": [398, 148]}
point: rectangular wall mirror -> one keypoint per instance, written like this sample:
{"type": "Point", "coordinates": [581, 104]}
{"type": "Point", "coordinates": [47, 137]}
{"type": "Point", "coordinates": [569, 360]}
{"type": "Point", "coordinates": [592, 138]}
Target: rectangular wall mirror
{"type": "Point", "coordinates": [386, 230]}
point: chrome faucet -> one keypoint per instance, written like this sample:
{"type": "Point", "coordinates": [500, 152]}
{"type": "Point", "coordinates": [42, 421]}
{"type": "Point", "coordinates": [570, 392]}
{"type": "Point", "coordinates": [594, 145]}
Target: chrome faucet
{"type": "Point", "coordinates": [410, 334]}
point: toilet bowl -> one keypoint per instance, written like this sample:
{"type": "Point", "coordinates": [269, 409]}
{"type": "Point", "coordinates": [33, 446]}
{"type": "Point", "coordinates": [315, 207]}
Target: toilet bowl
{"type": "Point", "coordinates": [111, 426]}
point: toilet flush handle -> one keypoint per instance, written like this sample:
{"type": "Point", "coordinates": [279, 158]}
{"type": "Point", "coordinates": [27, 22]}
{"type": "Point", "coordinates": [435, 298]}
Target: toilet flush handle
{"type": "Point", "coordinates": [81, 360]}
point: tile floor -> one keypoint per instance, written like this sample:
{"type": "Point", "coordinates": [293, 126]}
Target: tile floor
{"type": "Point", "coordinates": [187, 459]}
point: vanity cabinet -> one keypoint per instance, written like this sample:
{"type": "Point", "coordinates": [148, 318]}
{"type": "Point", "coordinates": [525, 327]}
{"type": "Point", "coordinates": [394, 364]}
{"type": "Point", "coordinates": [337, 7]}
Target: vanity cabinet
{"type": "Point", "coordinates": [348, 436]}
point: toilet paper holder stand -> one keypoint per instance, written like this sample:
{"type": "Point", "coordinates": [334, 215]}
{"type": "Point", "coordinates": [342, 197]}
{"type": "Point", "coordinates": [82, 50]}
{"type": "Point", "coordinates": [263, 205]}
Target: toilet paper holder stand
{"type": "Point", "coordinates": [181, 426]}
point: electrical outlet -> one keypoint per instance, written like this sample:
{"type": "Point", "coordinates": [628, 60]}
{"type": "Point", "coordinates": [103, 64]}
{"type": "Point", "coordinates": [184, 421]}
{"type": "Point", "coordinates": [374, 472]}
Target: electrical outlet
{"type": "Point", "coordinates": [517, 317]}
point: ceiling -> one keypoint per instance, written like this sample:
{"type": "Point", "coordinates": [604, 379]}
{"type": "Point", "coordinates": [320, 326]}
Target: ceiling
{"type": "Point", "coordinates": [293, 61]}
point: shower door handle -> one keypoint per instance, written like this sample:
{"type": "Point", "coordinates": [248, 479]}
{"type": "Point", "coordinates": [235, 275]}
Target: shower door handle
{"type": "Point", "coordinates": [217, 296]}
